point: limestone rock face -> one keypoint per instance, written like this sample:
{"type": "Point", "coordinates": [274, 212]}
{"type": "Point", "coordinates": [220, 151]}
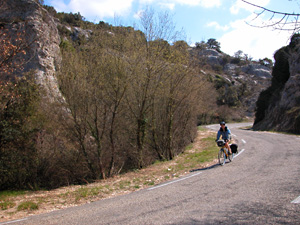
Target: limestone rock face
{"type": "Point", "coordinates": [283, 112]}
{"type": "Point", "coordinates": [41, 34]}
{"type": "Point", "coordinates": [289, 102]}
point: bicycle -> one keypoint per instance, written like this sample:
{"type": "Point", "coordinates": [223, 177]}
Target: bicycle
{"type": "Point", "coordinates": [224, 153]}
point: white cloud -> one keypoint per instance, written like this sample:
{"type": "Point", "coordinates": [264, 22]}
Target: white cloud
{"type": "Point", "coordinates": [94, 8]}
{"type": "Point", "coordinates": [256, 42]}
{"type": "Point", "coordinates": [218, 26]}
{"type": "Point", "coordinates": [99, 9]}
{"type": "Point", "coordinates": [210, 3]}
{"type": "Point", "coordinates": [169, 6]}
{"type": "Point", "coordinates": [203, 3]}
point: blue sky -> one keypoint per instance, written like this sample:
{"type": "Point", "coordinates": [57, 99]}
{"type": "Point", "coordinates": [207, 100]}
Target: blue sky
{"type": "Point", "coordinates": [224, 20]}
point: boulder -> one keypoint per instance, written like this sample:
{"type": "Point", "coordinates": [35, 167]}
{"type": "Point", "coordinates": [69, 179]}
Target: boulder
{"type": "Point", "coordinates": [257, 70]}
{"type": "Point", "coordinates": [209, 52]}
{"type": "Point", "coordinates": [212, 56]}
{"type": "Point", "coordinates": [78, 32]}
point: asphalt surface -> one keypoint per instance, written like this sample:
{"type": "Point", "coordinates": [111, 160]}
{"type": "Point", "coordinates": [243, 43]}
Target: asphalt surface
{"type": "Point", "coordinates": [260, 186]}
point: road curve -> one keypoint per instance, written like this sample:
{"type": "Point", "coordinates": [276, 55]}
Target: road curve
{"type": "Point", "coordinates": [260, 186]}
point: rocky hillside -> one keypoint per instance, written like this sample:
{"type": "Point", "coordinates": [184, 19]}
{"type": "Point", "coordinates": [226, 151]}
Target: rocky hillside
{"type": "Point", "coordinates": [237, 81]}
{"type": "Point", "coordinates": [278, 107]}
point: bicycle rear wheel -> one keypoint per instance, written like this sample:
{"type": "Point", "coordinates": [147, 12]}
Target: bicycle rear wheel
{"type": "Point", "coordinates": [222, 157]}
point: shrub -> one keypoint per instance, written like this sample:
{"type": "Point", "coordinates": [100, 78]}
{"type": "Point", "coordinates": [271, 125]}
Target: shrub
{"type": "Point", "coordinates": [27, 206]}
{"type": "Point", "coordinates": [19, 124]}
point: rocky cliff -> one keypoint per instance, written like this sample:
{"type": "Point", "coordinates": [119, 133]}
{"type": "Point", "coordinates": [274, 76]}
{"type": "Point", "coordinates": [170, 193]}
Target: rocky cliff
{"type": "Point", "coordinates": [278, 107]}
{"type": "Point", "coordinates": [40, 34]}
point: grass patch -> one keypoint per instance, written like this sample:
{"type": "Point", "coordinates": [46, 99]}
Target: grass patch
{"type": "Point", "coordinates": [149, 182]}
{"type": "Point", "coordinates": [7, 205]}
{"type": "Point", "coordinates": [27, 206]}
{"type": "Point", "coordinates": [208, 153]}
{"type": "Point", "coordinates": [8, 194]}
{"type": "Point", "coordinates": [136, 180]}
{"type": "Point", "coordinates": [189, 147]}
{"type": "Point", "coordinates": [180, 167]}
{"type": "Point", "coordinates": [202, 128]}
{"type": "Point", "coordinates": [85, 192]}
{"type": "Point", "coordinates": [81, 193]}
{"type": "Point", "coordinates": [124, 184]}
{"type": "Point", "coordinates": [96, 190]}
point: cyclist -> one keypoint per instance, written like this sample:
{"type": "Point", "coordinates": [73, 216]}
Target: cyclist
{"type": "Point", "coordinates": [226, 135]}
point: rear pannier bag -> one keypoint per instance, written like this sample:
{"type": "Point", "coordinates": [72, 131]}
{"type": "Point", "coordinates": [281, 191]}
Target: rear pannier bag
{"type": "Point", "coordinates": [234, 148]}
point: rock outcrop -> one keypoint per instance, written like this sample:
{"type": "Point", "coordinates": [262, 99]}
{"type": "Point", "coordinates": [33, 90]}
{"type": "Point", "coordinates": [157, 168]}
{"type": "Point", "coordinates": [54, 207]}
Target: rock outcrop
{"type": "Point", "coordinates": [247, 78]}
{"type": "Point", "coordinates": [41, 34]}
{"type": "Point", "coordinates": [278, 107]}
{"type": "Point", "coordinates": [212, 56]}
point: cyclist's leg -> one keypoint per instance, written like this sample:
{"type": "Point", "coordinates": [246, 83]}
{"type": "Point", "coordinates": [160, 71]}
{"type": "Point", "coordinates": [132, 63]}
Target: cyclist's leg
{"type": "Point", "coordinates": [228, 146]}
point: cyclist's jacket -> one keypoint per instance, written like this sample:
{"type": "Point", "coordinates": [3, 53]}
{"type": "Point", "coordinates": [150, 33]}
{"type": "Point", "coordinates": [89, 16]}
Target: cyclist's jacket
{"type": "Point", "coordinates": [226, 135]}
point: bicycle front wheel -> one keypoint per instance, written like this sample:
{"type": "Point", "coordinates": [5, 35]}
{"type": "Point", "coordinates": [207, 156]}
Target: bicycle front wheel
{"type": "Point", "coordinates": [222, 157]}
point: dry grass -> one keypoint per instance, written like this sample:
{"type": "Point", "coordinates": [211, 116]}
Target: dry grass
{"type": "Point", "coordinates": [202, 153]}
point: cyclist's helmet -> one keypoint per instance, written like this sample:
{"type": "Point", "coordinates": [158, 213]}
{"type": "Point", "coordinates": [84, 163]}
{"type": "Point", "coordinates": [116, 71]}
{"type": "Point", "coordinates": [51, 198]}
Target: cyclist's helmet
{"type": "Point", "coordinates": [222, 123]}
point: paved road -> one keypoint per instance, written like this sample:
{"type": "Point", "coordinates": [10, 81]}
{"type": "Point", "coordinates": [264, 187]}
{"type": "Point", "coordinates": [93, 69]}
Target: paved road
{"type": "Point", "coordinates": [260, 186]}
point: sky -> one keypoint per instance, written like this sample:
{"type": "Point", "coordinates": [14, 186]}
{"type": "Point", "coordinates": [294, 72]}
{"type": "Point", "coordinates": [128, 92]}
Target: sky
{"type": "Point", "coordinates": [227, 21]}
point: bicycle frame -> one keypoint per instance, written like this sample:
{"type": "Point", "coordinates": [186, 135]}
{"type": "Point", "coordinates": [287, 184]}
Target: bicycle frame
{"type": "Point", "coordinates": [225, 150]}
{"type": "Point", "coordinates": [223, 153]}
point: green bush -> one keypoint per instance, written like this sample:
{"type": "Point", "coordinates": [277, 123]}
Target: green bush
{"type": "Point", "coordinates": [19, 124]}
{"type": "Point", "coordinates": [27, 206]}
{"type": "Point", "coordinates": [6, 205]}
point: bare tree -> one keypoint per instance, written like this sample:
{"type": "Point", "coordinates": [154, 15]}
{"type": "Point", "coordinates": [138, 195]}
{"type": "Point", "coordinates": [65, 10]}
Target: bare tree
{"type": "Point", "coordinates": [277, 20]}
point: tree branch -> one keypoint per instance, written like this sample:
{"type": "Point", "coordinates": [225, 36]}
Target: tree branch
{"type": "Point", "coordinates": [285, 23]}
{"type": "Point", "coordinates": [272, 11]}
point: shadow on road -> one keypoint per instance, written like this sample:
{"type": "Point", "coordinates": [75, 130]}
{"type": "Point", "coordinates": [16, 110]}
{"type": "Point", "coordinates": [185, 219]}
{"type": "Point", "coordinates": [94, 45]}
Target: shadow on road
{"type": "Point", "coordinates": [206, 168]}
